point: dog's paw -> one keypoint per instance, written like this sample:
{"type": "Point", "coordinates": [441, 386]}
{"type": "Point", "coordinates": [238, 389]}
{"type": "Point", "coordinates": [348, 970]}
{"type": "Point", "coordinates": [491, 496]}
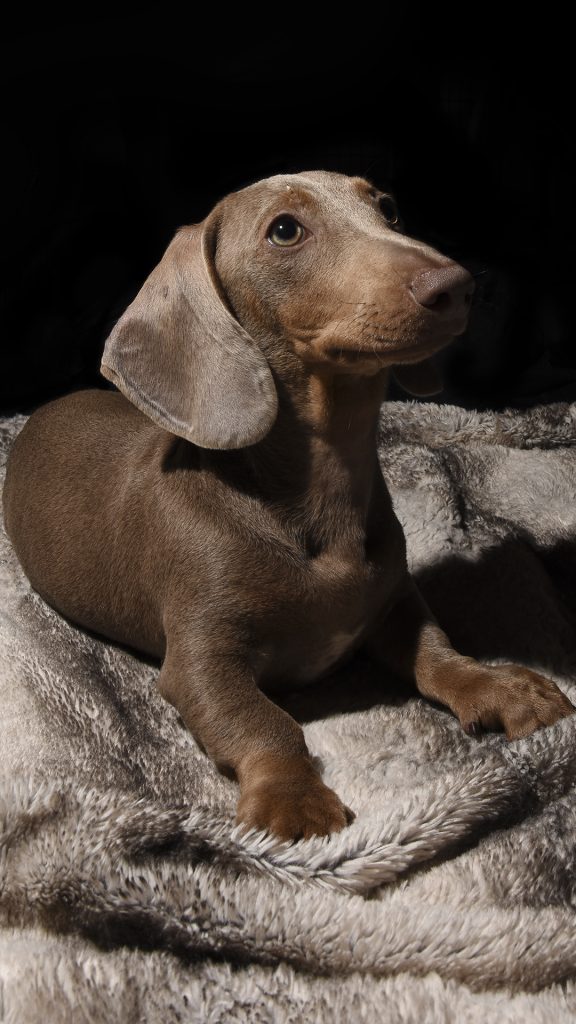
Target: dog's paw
{"type": "Point", "coordinates": [512, 698]}
{"type": "Point", "coordinates": [293, 807]}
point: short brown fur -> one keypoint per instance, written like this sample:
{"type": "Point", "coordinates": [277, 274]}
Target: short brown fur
{"type": "Point", "coordinates": [227, 513]}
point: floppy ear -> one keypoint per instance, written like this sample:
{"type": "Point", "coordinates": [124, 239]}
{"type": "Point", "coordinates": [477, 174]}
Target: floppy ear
{"type": "Point", "coordinates": [183, 359]}
{"type": "Point", "coordinates": [419, 379]}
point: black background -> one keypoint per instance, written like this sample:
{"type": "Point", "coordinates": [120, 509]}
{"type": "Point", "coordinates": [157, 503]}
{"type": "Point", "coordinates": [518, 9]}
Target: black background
{"type": "Point", "coordinates": [118, 130]}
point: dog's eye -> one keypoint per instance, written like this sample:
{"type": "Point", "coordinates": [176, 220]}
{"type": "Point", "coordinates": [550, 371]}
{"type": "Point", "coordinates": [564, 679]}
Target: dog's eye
{"type": "Point", "coordinates": [285, 231]}
{"type": "Point", "coordinates": [389, 209]}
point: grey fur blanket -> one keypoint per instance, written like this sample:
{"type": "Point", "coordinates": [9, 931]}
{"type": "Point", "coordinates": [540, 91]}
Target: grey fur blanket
{"type": "Point", "coordinates": [125, 892]}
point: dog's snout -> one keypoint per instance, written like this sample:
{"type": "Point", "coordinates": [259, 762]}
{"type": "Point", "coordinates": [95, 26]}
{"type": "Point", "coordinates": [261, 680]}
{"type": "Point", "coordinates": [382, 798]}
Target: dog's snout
{"type": "Point", "coordinates": [445, 290]}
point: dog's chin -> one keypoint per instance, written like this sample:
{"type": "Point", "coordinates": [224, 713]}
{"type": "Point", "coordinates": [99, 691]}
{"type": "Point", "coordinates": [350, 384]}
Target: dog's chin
{"type": "Point", "coordinates": [425, 343]}
{"type": "Point", "coordinates": [388, 354]}
{"type": "Point", "coordinates": [370, 355]}
{"type": "Point", "coordinates": [421, 350]}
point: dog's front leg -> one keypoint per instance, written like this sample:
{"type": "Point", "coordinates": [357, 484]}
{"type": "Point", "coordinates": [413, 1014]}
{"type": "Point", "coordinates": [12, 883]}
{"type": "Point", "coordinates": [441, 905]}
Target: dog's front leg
{"type": "Point", "coordinates": [411, 644]}
{"type": "Point", "coordinates": [243, 731]}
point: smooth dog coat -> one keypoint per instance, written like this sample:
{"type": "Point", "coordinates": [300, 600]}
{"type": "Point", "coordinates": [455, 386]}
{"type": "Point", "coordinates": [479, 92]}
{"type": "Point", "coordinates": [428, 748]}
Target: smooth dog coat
{"type": "Point", "coordinates": [225, 510]}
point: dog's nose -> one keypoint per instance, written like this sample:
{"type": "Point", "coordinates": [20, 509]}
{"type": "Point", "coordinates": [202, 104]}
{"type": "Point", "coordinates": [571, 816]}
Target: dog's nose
{"type": "Point", "coordinates": [445, 290]}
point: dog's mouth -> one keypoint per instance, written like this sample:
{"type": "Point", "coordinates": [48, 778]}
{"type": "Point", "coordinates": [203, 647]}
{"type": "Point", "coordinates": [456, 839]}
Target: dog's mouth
{"type": "Point", "coordinates": [378, 345]}
{"type": "Point", "coordinates": [389, 353]}
{"type": "Point", "coordinates": [424, 349]}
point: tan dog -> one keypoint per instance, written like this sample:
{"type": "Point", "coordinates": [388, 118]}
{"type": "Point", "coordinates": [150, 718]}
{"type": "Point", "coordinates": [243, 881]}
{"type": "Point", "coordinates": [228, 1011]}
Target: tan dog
{"type": "Point", "coordinates": [226, 512]}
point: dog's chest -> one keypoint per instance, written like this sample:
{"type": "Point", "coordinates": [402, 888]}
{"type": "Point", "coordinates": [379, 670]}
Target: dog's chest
{"type": "Point", "coordinates": [325, 651]}
{"type": "Point", "coordinates": [319, 622]}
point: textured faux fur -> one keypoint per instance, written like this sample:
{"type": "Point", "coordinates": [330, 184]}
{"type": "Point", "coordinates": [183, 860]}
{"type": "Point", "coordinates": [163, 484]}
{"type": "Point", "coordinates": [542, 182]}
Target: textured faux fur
{"type": "Point", "coordinates": [127, 895]}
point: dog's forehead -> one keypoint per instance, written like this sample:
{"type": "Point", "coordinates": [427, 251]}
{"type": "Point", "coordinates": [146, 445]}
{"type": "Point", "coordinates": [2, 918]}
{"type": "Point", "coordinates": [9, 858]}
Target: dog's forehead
{"type": "Point", "coordinates": [313, 188]}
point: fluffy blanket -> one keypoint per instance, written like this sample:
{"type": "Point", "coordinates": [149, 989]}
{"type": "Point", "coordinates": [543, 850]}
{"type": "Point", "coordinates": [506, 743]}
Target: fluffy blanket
{"type": "Point", "coordinates": [127, 895]}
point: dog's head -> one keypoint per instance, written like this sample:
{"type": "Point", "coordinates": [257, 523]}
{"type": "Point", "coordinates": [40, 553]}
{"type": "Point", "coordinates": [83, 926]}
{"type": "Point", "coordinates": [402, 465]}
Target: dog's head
{"type": "Point", "coordinates": [308, 268]}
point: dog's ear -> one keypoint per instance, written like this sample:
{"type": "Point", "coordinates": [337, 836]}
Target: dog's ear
{"type": "Point", "coordinates": [419, 379]}
{"type": "Point", "coordinates": [183, 359]}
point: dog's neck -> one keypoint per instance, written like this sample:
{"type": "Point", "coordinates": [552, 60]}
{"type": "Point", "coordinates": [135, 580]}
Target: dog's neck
{"type": "Point", "coordinates": [318, 466]}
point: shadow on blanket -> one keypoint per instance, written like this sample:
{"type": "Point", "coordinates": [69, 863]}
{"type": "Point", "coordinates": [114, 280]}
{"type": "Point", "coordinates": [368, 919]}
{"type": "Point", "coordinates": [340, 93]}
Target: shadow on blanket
{"type": "Point", "coordinates": [127, 894]}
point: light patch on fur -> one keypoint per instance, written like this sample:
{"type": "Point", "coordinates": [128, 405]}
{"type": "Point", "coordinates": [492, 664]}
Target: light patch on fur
{"type": "Point", "coordinates": [332, 649]}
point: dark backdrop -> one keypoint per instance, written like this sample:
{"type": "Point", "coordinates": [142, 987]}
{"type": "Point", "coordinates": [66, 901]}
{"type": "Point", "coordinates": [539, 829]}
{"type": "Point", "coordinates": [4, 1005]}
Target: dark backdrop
{"type": "Point", "coordinates": [116, 131]}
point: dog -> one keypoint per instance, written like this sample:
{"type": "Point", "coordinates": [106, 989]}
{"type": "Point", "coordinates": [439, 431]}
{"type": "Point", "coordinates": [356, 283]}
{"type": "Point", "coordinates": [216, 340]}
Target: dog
{"type": "Point", "coordinates": [224, 509]}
